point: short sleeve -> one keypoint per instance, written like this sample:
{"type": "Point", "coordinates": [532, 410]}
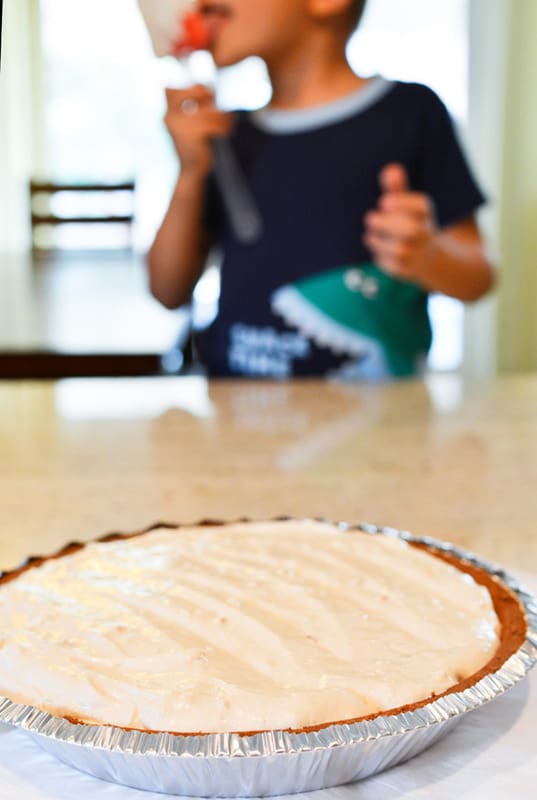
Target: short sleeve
{"type": "Point", "coordinates": [441, 168]}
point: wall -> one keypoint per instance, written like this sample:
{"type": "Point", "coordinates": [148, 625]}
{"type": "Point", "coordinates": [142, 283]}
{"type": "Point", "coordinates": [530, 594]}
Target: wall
{"type": "Point", "coordinates": [517, 312]}
{"type": "Point", "coordinates": [19, 120]}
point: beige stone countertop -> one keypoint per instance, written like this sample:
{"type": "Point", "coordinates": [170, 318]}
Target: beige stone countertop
{"type": "Point", "coordinates": [445, 458]}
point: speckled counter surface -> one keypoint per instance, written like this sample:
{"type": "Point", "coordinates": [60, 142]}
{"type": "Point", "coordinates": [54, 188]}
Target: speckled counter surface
{"type": "Point", "coordinates": [443, 458]}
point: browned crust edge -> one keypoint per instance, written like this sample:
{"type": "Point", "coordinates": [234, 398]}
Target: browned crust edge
{"type": "Point", "coordinates": [510, 613]}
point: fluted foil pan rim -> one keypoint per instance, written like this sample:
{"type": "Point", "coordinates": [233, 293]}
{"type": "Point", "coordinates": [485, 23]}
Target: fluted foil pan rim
{"type": "Point", "coordinates": [270, 743]}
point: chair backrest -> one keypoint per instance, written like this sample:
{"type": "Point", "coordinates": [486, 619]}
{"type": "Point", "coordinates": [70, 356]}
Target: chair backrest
{"type": "Point", "coordinates": [57, 204]}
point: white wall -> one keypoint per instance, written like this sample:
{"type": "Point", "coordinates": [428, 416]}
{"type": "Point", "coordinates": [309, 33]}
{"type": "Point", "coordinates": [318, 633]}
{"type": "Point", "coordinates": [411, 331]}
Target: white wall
{"type": "Point", "coordinates": [19, 113]}
{"type": "Point", "coordinates": [489, 25]}
{"type": "Point", "coordinates": [517, 310]}
{"type": "Point", "coordinates": [502, 333]}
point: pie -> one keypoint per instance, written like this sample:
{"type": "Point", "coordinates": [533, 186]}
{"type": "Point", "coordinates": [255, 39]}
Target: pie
{"type": "Point", "coordinates": [249, 626]}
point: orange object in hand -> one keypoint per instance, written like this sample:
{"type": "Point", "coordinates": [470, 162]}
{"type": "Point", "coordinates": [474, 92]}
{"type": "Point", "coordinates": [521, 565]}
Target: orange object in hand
{"type": "Point", "coordinates": [194, 35]}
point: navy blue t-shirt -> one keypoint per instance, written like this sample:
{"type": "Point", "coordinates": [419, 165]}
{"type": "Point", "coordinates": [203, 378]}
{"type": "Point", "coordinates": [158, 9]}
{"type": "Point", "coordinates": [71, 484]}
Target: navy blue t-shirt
{"type": "Point", "coordinates": [306, 298]}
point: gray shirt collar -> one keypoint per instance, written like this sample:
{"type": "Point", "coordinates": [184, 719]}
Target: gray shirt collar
{"type": "Point", "coordinates": [305, 119]}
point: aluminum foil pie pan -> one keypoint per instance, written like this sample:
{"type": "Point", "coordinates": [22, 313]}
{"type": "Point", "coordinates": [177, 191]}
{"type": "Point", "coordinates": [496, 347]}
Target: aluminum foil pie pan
{"type": "Point", "coordinates": [277, 762]}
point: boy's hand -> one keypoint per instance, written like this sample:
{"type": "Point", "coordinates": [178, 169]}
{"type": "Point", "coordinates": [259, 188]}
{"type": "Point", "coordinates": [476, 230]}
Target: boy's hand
{"type": "Point", "coordinates": [193, 120]}
{"type": "Point", "coordinates": [400, 232]}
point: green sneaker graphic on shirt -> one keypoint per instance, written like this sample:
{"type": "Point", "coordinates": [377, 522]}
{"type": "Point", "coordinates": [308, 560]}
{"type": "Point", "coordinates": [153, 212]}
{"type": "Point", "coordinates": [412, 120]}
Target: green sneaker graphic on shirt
{"type": "Point", "coordinates": [360, 311]}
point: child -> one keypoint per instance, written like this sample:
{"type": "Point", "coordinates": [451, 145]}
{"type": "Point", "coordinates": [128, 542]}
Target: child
{"type": "Point", "coordinates": [366, 200]}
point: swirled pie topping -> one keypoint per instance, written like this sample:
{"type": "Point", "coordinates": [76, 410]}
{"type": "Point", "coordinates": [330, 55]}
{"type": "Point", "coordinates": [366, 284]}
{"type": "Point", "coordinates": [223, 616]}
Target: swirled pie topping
{"type": "Point", "coordinates": [240, 627]}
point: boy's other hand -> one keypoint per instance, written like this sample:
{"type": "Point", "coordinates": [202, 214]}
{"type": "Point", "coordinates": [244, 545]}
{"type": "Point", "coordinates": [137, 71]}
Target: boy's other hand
{"type": "Point", "coordinates": [193, 120]}
{"type": "Point", "coordinates": [400, 232]}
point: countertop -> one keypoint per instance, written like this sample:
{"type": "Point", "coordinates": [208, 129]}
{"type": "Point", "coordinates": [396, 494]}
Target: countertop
{"type": "Point", "coordinates": [445, 458]}
{"type": "Point", "coordinates": [457, 461]}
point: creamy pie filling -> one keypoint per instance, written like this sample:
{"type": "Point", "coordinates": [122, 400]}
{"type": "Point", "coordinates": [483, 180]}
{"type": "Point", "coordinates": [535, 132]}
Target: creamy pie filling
{"type": "Point", "coordinates": [241, 627]}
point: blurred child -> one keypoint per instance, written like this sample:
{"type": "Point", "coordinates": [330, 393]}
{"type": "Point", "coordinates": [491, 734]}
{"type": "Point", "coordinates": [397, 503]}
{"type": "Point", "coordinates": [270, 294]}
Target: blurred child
{"type": "Point", "coordinates": [367, 203]}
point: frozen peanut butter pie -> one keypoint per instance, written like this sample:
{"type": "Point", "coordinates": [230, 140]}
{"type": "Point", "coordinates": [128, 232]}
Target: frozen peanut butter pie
{"type": "Point", "coordinates": [248, 626]}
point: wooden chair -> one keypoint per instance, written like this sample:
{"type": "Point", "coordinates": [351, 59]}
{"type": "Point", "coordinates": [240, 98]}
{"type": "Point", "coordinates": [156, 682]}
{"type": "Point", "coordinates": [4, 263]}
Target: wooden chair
{"type": "Point", "coordinates": [45, 217]}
